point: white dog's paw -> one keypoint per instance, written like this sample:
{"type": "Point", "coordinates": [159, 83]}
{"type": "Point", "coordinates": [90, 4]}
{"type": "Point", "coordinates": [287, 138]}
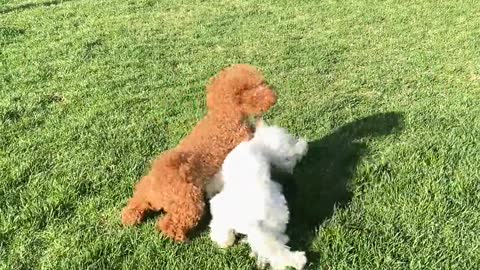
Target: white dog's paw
{"type": "Point", "coordinates": [262, 263]}
{"type": "Point", "coordinates": [298, 260]}
{"type": "Point", "coordinates": [223, 240]}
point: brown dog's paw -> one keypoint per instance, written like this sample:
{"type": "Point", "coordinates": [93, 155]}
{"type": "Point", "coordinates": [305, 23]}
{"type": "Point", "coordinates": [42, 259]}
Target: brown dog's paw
{"type": "Point", "coordinates": [167, 227]}
{"type": "Point", "coordinates": [131, 217]}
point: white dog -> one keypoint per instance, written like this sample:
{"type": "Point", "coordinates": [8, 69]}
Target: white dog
{"type": "Point", "coordinates": [251, 203]}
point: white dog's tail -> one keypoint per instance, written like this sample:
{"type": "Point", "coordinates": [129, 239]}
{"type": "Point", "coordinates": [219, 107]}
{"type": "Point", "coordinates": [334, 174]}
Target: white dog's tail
{"type": "Point", "coordinates": [271, 248]}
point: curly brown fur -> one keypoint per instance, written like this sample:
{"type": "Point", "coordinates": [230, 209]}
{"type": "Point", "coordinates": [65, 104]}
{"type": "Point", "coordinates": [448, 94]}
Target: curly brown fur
{"type": "Point", "coordinates": [176, 182]}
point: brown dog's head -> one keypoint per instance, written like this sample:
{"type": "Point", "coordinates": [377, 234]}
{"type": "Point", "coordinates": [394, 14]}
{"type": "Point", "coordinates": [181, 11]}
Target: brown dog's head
{"type": "Point", "coordinates": [240, 88]}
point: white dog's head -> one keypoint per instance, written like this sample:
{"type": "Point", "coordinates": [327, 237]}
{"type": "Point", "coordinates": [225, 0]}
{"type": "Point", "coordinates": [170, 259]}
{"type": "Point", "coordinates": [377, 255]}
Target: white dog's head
{"type": "Point", "coordinates": [283, 150]}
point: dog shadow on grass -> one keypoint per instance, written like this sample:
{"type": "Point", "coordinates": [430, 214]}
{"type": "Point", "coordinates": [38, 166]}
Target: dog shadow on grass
{"type": "Point", "coordinates": [321, 181]}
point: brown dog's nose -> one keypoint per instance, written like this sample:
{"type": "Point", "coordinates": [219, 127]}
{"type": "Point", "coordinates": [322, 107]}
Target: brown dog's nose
{"type": "Point", "coordinates": [273, 96]}
{"type": "Point", "coordinates": [269, 99]}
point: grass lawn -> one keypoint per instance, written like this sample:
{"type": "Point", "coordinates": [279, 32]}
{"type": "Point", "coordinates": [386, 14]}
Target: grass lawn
{"type": "Point", "coordinates": [387, 93]}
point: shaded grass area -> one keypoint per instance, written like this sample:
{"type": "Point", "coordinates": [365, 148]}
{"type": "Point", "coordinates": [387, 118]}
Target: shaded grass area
{"type": "Point", "coordinates": [386, 92]}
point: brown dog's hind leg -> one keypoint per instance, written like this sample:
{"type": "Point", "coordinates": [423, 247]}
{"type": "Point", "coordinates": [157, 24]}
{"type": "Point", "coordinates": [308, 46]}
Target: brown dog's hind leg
{"type": "Point", "coordinates": [183, 213]}
{"type": "Point", "coordinates": [139, 204]}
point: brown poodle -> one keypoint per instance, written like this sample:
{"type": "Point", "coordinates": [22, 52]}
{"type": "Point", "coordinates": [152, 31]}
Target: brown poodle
{"type": "Point", "coordinates": [176, 182]}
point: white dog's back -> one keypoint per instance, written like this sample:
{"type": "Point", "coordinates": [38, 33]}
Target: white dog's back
{"type": "Point", "coordinates": [251, 203]}
{"type": "Point", "coordinates": [251, 195]}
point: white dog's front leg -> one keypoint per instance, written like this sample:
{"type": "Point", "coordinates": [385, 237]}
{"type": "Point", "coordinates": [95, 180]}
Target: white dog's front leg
{"type": "Point", "coordinates": [214, 186]}
{"type": "Point", "coordinates": [222, 236]}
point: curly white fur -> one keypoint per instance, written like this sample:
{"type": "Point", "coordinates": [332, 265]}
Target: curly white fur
{"type": "Point", "coordinates": [251, 203]}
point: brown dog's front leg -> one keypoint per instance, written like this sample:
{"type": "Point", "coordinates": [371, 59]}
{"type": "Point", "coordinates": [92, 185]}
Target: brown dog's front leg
{"type": "Point", "coordinates": [183, 214]}
{"type": "Point", "coordinates": [139, 204]}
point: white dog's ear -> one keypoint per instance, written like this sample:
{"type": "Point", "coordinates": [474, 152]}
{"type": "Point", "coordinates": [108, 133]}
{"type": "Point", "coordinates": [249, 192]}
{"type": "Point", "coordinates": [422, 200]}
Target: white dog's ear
{"type": "Point", "coordinates": [260, 123]}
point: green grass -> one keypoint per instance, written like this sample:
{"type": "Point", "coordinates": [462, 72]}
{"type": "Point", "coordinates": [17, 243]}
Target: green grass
{"type": "Point", "coordinates": [388, 93]}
